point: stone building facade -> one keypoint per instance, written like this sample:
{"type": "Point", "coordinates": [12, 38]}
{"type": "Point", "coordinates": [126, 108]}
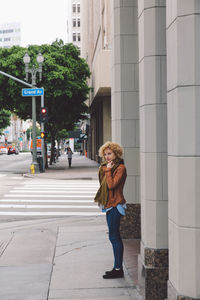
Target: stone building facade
{"type": "Point", "coordinates": [96, 49]}
{"type": "Point", "coordinates": [154, 68]}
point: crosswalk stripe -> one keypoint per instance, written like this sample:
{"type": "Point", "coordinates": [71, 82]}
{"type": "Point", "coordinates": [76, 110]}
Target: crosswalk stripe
{"type": "Point", "coordinates": [33, 213]}
{"type": "Point", "coordinates": [69, 182]}
{"type": "Point", "coordinates": [51, 198]}
{"type": "Point", "coordinates": [56, 188]}
{"type": "Point", "coordinates": [47, 196]}
{"type": "Point", "coordinates": [46, 200]}
{"type": "Point", "coordinates": [45, 206]}
{"type": "Point", "coordinates": [52, 192]}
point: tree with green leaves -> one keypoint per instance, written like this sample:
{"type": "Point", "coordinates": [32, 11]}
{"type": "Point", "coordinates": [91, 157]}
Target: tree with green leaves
{"type": "Point", "coordinates": [29, 132]}
{"type": "Point", "coordinates": [64, 79]}
{"type": "Point", "coordinates": [4, 120]}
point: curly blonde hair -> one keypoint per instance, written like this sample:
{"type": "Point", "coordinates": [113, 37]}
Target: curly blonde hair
{"type": "Point", "coordinates": [116, 148]}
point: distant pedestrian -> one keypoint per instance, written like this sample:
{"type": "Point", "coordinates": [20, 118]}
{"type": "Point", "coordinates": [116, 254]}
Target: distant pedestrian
{"type": "Point", "coordinates": [69, 155]}
{"type": "Point", "coordinates": [112, 177]}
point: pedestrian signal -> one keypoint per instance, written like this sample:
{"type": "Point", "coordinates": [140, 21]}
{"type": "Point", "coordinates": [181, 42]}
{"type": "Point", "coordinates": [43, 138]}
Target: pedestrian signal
{"type": "Point", "coordinates": [44, 115]}
{"type": "Point", "coordinates": [42, 135]}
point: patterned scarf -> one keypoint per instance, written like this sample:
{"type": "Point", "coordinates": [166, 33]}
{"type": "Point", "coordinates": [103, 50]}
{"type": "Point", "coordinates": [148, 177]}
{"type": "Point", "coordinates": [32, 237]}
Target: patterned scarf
{"type": "Point", "coordinates": [102, 193]}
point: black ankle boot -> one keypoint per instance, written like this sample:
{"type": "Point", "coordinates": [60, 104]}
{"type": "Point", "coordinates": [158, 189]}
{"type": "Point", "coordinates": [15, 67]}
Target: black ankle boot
{"type": "Point", "coordinates": [114, 274]}
{"type": "Point", "coordinates": [110, 272]}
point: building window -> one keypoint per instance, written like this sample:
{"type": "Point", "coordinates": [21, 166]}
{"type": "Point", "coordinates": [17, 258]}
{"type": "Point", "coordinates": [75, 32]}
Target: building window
{"type": "Point", "coordinates": [6, 39]}
{"type": "Point", "coordinates": [78, 8]}
{"type": "Point", "coordinates": [78, 22]}
{"type": "Point", "coordinates": [74, 8]}
{"type": "Point", "coordinates": [79, 37]}
{"type": "Point", "coordinates": [74, 36]}
{"type": "Point", "coordinates": [6, 31]}
{"type": "Point", "coordinates": [74, 22]}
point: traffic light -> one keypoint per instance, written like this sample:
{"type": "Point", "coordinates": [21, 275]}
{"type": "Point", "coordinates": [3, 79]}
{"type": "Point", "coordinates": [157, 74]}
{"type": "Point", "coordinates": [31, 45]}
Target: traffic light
{"type": "Point", "coordinates": [44, 114]}
{"type": "Point", "coordinates": [42, 135]}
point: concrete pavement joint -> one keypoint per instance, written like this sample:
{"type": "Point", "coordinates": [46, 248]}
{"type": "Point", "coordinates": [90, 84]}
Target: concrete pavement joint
{"type": "Point", "coordinates": [6, 244]}
{"type": "Point", "coordinates": [53, 258]}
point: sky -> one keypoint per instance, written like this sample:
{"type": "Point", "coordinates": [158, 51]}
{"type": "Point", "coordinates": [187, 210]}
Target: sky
{"type": "Point", "coordinates": [42, 21]}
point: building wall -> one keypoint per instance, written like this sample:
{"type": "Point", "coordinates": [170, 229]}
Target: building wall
{"type": "Point", "coordinates": [125, 102]}
{"type": "Point", "coordinates": [74, 22]}
{"type": "Point", "coordinates": [95, 16]}
{"type": "Point", "coordinates": [106, 119]}
{"type": "Point", "coordinates": [165, 148]}
{"type": "Point", "coordinates": [153, 151]}
{"type": "Point", "coordinates": [183, 94]}
{"type": "Point", "coordinates": [10, 35]}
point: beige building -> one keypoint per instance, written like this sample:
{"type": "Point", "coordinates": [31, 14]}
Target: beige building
{"type": "Point", "coordinates": [146, 63]}
{"type": "Point", "coordinates": [96, 44]}
{"type": "Point", "coordinates": [74, 22]}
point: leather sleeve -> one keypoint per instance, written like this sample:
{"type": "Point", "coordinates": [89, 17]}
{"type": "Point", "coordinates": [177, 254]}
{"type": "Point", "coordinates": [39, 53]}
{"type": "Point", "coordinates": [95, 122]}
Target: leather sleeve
{"type": "Point", "coordinates": [113, 181]}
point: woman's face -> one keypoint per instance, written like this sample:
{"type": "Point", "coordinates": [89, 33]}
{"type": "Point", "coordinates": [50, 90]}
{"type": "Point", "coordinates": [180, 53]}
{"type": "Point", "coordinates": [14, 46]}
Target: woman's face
{"type": "Point", "coordinates": [109, 155]}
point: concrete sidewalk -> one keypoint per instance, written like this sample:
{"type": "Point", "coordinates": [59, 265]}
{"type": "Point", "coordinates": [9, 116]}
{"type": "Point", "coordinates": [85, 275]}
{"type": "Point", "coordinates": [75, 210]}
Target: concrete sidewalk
{"type": "Point", "coordinates": [63, 258]}
{"type": "Point", "coordinates": [59, 259]}
{"type": "Point", "coordinates": [82, 168]}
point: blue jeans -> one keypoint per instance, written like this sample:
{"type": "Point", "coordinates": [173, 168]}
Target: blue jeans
{"type": "Point", "coordinates": [113, 220]}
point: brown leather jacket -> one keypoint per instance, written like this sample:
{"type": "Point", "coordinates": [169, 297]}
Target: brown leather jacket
{"type": "Point", "coordinates": [115, 184]}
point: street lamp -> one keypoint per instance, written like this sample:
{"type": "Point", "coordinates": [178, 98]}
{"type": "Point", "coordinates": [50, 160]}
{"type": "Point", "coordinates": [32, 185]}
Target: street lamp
{"type": "Point", "coordinates": [33, 71]}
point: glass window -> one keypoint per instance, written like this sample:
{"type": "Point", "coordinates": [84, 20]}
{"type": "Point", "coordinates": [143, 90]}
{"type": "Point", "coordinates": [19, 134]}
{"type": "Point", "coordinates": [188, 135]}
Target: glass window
{"type": "Point", "coordinates": [78, 22]}
{"type": "Point", "coordinates": [6, 39]}
{"type": "Point", "coordinates": [74, 22]}
{"type": "Point", "coordinates": [79, 36]}
{"type": "Point", "coordinates": [6, 31]}
{"type": "Point", "coordinates": [74, 36]}
{"type": "Point", "coordinates": [78, 8]}
{"type": "Point", "coordinates": [74, 8]}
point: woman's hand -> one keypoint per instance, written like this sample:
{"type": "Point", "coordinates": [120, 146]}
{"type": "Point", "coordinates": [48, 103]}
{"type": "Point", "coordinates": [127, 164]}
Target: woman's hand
{"type": "Point", "coordinates": [110, 164]}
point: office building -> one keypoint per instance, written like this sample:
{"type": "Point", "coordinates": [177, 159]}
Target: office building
{"type": "Point", "coordinates": [74, 22]}
{"type": "Point", "coordinates": [10, 35]}
{"type": "Point", "coordinates": [154, 79]}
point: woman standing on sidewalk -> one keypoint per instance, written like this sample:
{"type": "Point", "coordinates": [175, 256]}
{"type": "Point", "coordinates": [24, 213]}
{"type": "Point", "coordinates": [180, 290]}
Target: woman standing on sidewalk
{"type": "Point", "coordinates": [112, 177]}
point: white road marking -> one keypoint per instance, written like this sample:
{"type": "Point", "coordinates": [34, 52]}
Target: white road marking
{"type": "Point", "coordinates": [46, 200]}
{"type": "Point", "coordinates": [33, 213]}
{"type": "Point", "coordinates": [46, 196]}
{"type": "Point", "coordinates": [44, 206]}
{"type": "Point", "coordinates": [51, 198]}
{"type": "Point", "coordinates": [56, 192]}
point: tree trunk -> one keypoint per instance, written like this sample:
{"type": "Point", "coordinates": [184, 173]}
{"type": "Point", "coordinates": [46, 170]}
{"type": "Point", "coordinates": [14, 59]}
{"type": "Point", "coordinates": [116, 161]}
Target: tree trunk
{"type": "Point", "coordinates": [52, 158]}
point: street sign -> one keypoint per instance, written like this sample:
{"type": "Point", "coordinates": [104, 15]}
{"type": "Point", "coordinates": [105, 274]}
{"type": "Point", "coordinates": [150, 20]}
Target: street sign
{"type": "Point", "coordinates": [32, 92]}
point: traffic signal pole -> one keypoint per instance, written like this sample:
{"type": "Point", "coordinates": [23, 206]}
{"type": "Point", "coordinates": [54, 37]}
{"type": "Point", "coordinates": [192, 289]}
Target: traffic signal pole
{"type": "Point", "coordinates": [16, 79]}
{"type": "Point", "coordinates": [42, 130]}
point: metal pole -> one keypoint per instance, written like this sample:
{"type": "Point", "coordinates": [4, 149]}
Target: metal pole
{"type": "Point", "coordinates": [16, 79]}
{"type": "Point", "coordinates": [35, 163]}
{"type": "Point", "coordinates": [42, 130]}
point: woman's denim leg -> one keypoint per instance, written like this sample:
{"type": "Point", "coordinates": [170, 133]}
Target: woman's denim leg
{"type": "Point", "coordinates": [113, 220]}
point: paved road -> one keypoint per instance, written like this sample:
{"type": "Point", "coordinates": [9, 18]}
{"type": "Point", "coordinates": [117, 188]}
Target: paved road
{"type": "Point", "coordinates": [50, 197]}
{"type": "Point", "coordinates": [58, 192]}
{"type": "Point", "coordinates": [17, 164]}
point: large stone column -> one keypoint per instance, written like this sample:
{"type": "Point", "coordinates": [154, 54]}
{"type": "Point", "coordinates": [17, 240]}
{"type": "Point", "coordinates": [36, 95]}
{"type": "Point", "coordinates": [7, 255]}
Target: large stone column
{"type": "Point", "coordinates": [125, 104]}
{"type": "Point", "coordinates": [183, 87]}
{"type": "Point", "coordinates": [153, 259]}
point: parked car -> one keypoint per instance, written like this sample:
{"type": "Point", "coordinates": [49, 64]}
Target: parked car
{"type": "Point", "coordinates": [3, 150]}
{"type": "Point", "coordinates": [13, 150]}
